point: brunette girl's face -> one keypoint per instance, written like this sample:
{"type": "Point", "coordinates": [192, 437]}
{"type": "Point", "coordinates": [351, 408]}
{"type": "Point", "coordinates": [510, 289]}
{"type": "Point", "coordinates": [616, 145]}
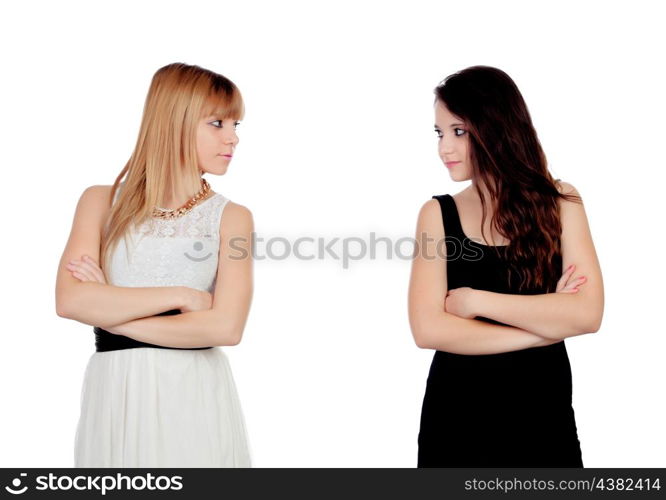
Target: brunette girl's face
{"type": "Point", "coordinates": [216, 142]}
{"type": "Point", "coordinates": [453, 146]}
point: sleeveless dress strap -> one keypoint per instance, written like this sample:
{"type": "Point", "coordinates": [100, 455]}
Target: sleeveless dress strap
{"type": "Point", "coordinates": [218, 216]}
{"type": "Point", "coordinates": [450, 216]}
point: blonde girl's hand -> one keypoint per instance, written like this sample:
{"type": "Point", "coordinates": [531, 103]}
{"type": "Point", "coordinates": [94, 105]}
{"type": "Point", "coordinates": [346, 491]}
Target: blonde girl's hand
{"type": "Point", "coordinates": [567, 284]}
{"type": "Point", "coordinates": [196, 300]}
{"type": "Point", "coordinates": [86, 269]}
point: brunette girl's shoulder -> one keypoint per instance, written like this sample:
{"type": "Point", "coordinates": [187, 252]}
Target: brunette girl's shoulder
{"type": "Point", "coordinates": [565, 187]}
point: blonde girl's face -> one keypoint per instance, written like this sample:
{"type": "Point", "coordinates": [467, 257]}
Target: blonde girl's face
{"type": "Point", "coordinates": [216, 143]}
{"type": "Point", "coordinates": [453, 143]}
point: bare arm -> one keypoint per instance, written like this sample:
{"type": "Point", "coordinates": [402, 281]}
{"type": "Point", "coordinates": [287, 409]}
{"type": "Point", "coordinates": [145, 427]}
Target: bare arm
{"type": "Point", "coordinates": [99, 304]}
{"type": "Point", "coordinates": [472, 336]}
{"type": "Point", "coordinates": [553, 315]}
{"type": "Point", "coordinates": [556, 315]}
{"type": "Point", "coordinates": [224, 323]}
{"type": "Point", "coordinates": [192, 329]}
{"type": "Point", "coordinates": [434, 328]}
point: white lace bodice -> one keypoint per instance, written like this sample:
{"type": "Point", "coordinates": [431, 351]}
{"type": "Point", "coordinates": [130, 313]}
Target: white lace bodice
{"type": "Point", "coordinates": [171, 252]}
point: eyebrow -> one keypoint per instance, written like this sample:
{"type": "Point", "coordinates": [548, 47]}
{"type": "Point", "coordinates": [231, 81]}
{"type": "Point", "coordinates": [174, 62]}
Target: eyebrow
{"type": "Point", "coordinates": [218, 117]}
{"type": "Point", "coordinates": [452, 125]}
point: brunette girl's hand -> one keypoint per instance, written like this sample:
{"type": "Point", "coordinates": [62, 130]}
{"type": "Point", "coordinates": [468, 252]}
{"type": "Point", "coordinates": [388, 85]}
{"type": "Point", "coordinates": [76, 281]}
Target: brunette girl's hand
{"type": "Point", "coordinates": [567, 284]}
{"type": "Point", "coordinates": [460, 301]}
{"type": "Point", "coordinates": [86, 269]}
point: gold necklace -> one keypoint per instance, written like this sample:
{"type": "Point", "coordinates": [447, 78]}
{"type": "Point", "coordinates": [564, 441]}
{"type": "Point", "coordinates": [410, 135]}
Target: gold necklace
{"type": "Point", "coordinates": [162, 213]}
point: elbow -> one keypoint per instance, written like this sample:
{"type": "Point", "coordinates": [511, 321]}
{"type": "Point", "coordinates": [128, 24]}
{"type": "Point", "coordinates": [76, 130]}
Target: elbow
{"type": "Point", "coordinates": [235, 338]}
{"type": "Point", "coordinates": [63, 308]}
{"type": "Point", "coordinates": [594, 324]}
{"type": "Point", "coordinates": [592, 320]}
{"type": "Point", "coordinates": [66, 301]}
{"type": "Point", "coordinates": [422, 340]}
{"type": "Point", "coordinates": [418, 332]}
{"type": "Point", "coordinates": [229, 337]}
{"type": "Point", "coordinates": [592, 315]}
{"type": "Point", "coordinates": [561, 333]}
{"type": "Point", "coordinates": [60, 310]}
{"type": "Point", "coordinates": [422, 331]}
{"type": "Point", "coordinates": [585, 320]}
{"type": "Point", "coordinates": [418, 339]}
{"type": "Point", "coordinates": [589, 324]}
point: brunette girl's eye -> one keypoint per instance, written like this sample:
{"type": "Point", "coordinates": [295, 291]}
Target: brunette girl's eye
{"type": "Point", "coordinates": [456, 130]}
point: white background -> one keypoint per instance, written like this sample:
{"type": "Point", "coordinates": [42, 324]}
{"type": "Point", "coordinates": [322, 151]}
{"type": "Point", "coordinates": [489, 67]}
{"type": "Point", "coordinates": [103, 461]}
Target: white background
{"type": "Point", "coordinates": [337, 141]}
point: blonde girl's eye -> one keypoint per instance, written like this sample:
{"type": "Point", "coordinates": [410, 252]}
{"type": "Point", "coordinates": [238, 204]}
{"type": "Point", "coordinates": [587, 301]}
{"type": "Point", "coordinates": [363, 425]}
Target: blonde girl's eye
{"type": "Point", "coordinates": [218, 124]}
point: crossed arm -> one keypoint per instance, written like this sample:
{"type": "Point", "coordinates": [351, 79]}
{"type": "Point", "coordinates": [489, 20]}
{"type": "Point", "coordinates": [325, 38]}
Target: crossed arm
{"type": "Point", "coordinates": [82, 293]}
{"type": "Point", "coordinates": [443, 319]}
{"type": "Point", "coordinates": [130, 311]}
{"type": "Point", "coordinates": [223, 322]}
{"type": "Point", "coordinates": [202, 328]}
{"type": "Point", "coordinates": [554, 316]}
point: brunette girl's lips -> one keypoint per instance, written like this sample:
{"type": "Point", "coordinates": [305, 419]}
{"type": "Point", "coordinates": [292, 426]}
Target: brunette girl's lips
{"type": "Point", "coordinates": [451, 163]}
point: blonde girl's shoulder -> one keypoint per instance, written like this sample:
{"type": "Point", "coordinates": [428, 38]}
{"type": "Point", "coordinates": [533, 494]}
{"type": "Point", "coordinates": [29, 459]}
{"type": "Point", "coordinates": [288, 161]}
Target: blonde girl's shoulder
{"type": "Point", "coordinates": [236, 218]}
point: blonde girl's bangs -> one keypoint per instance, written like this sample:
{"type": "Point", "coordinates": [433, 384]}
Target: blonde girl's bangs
{"type": "Point", "coordinates": [225, 103]}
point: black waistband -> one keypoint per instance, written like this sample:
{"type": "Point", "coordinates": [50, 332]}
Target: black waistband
{"type": "Point", "coordinates": [107, 341]}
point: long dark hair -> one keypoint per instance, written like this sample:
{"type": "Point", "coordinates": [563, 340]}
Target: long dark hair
{"type": "Point", "coordinates": [507, 158]}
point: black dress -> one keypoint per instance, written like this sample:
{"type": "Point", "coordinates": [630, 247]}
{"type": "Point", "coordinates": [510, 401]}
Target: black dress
{"type": "Point", "coordinates": [495, 410]}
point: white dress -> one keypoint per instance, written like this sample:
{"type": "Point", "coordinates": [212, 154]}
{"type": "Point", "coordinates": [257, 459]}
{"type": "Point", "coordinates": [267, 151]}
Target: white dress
{"type": "Point", "coordinates": [153, 407]}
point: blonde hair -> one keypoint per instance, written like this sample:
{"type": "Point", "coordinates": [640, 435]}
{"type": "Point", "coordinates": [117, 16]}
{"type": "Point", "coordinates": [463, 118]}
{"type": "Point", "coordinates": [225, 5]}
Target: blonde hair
{"type": "Point", "coordinates": [165, 153]}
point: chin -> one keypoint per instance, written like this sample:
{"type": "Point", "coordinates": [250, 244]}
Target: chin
{"type": "Point", "coordinates": [458, 176]}
{"type": "Point", "coordinates": [216, 171]}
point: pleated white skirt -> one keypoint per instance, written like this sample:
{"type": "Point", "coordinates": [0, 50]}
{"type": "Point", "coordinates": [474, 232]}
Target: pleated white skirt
{"type": "Point", "coordinates": [151, 407]}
